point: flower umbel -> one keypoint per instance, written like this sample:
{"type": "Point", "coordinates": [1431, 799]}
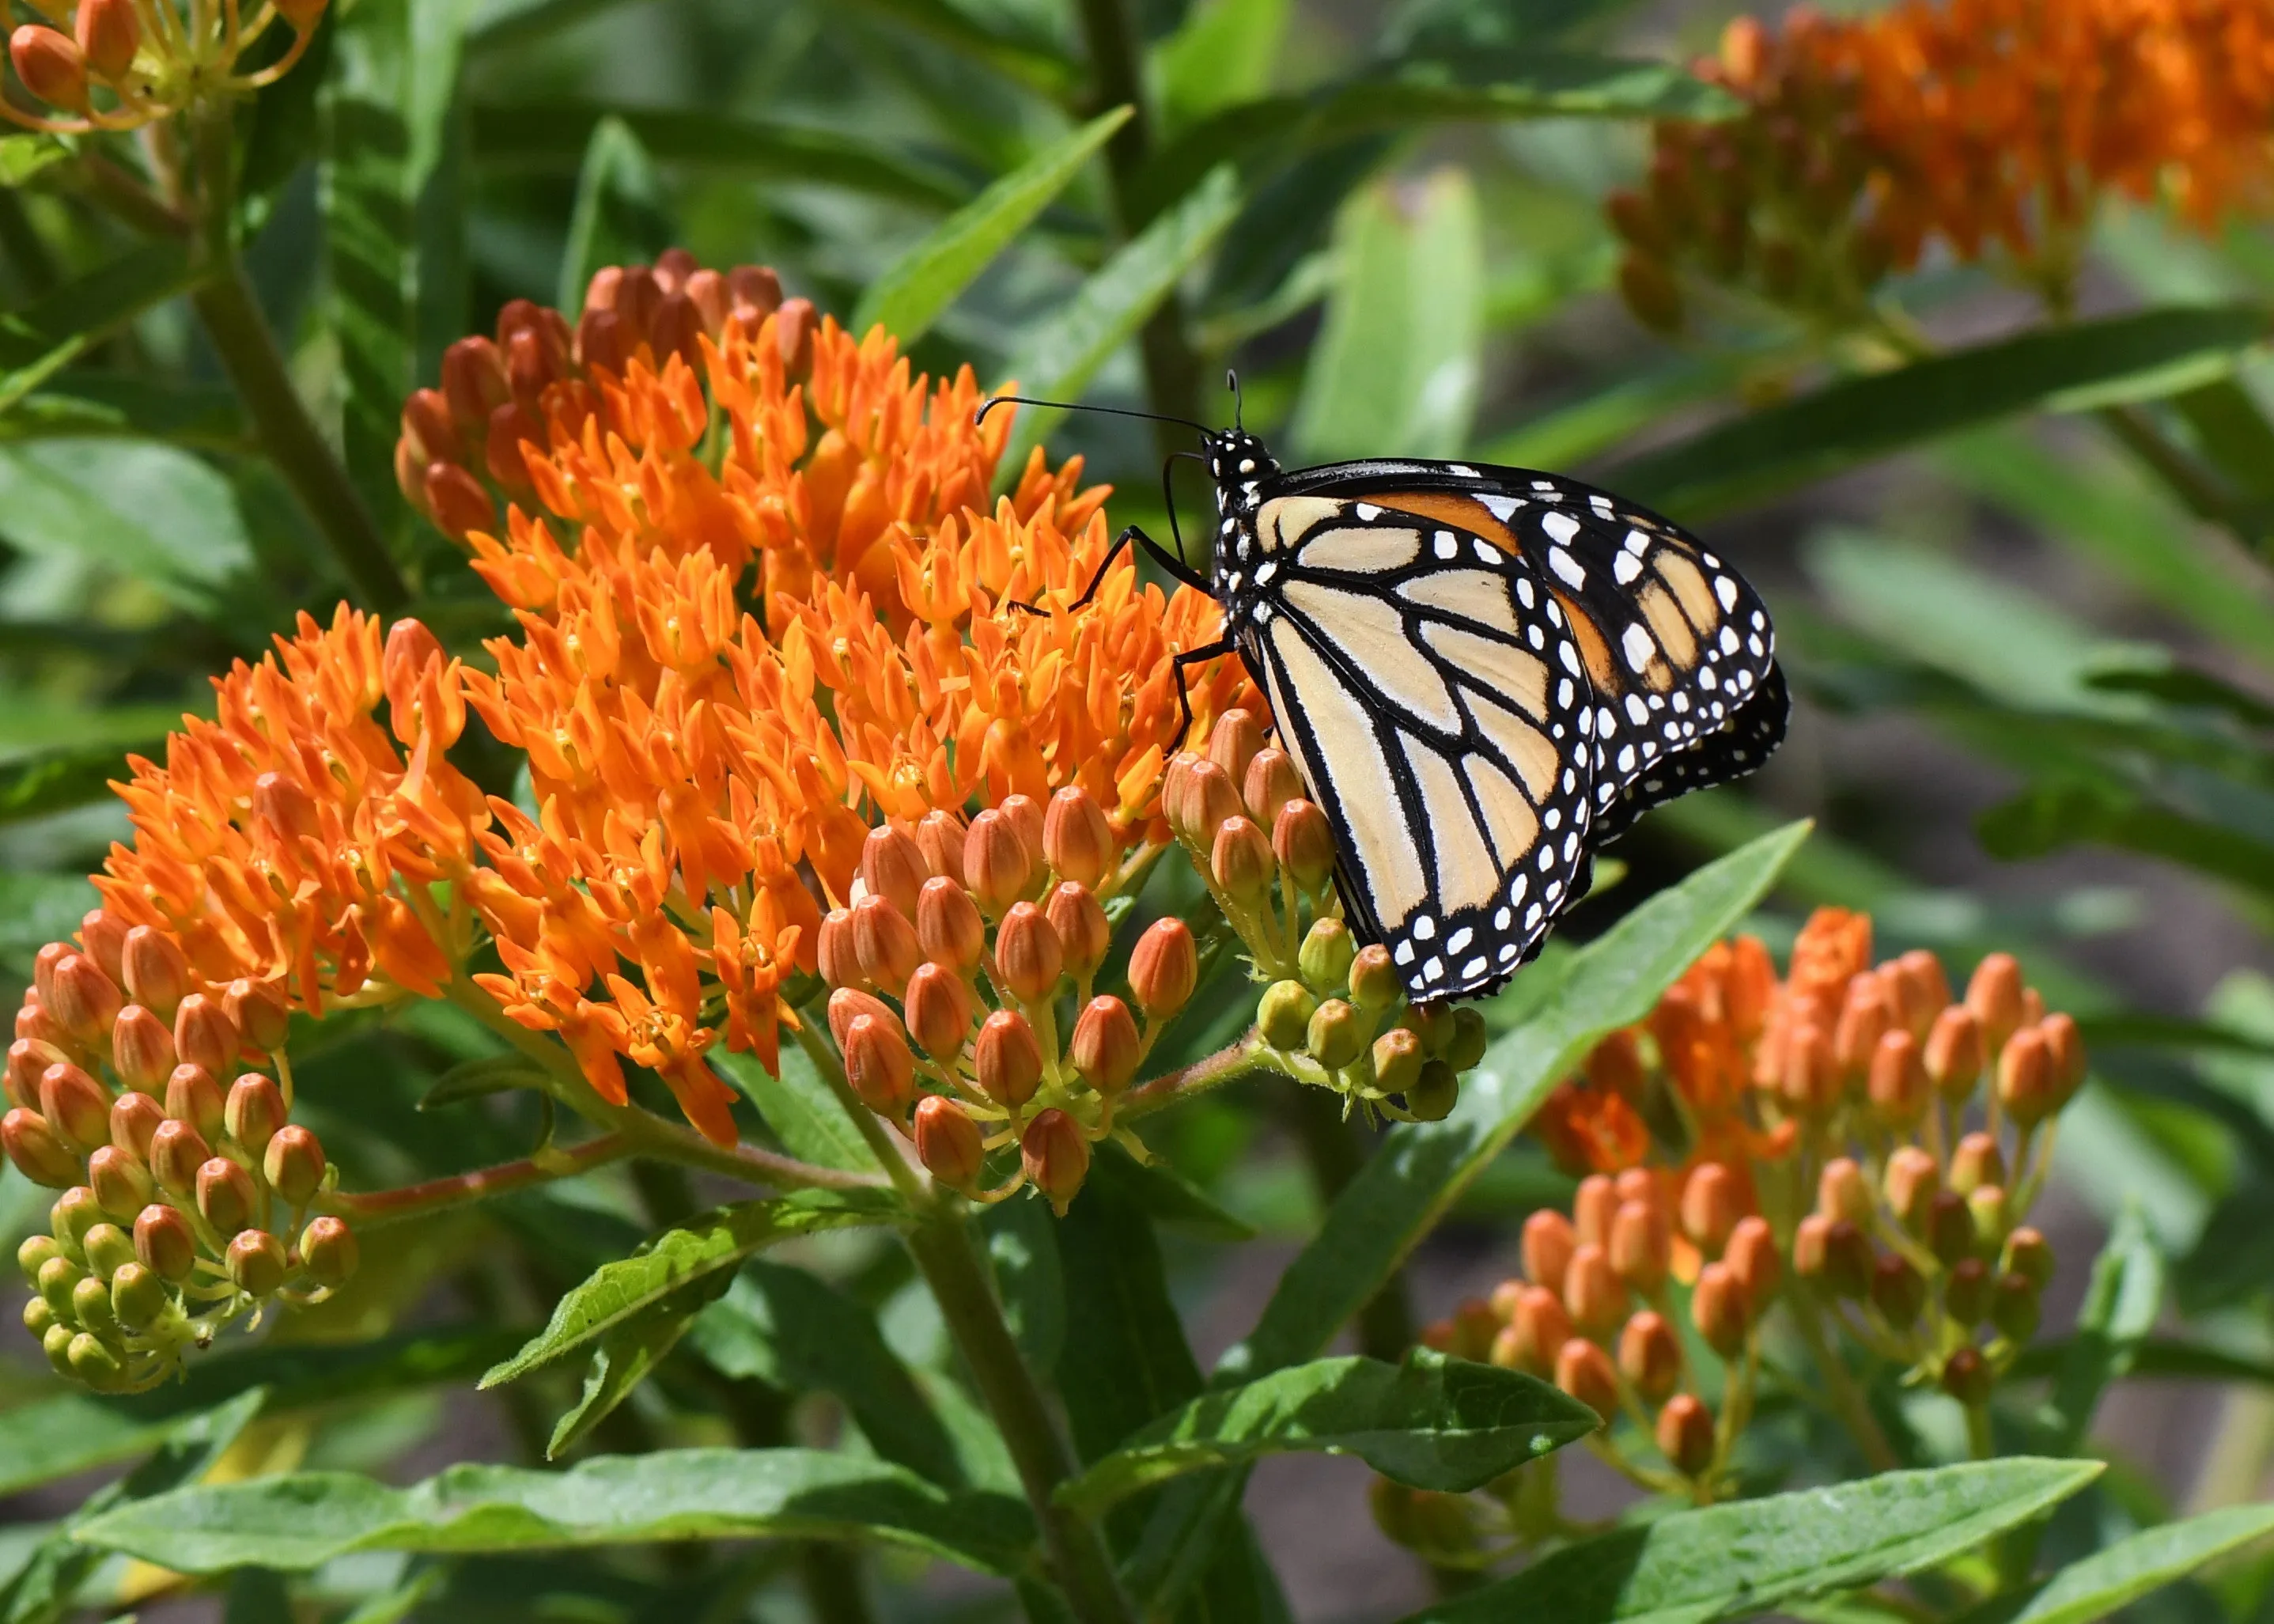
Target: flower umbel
{"type": "Point", "coordinates": [119, 65]}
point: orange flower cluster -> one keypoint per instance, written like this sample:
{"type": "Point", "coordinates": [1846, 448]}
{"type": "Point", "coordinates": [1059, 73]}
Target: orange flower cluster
{"type": "Point", "coordinates": [149, 59]}
{"type": "Point", "coordinates": [1977, 124]}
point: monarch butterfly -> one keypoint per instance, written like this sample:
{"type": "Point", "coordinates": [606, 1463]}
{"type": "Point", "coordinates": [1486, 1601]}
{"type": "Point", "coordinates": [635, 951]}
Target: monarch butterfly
{"type": "Point", "coordinates": [1482, 674]}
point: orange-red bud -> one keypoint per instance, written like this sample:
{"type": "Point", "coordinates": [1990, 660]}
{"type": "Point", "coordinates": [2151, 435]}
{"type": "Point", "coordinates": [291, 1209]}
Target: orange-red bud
{"type": "Point", "coordinates": [892, 866]}
{"type": "Point", "coordinates": [1751, 1259]}
{"type": "Point", "coordinates": [1593, 1207]}
{"type": "Point", "coordinates": [259, 1012]}
{"type": "Point", "coordinates": [294, 1165]}
{"type": "Point", "coordinates": [949, 926]}
{"type": "Point", "coordinates": [1641, 1242]}
{"type": "Point", "coordinates": [1541, 1326]}
{"type": "Point", "coordinates": [1842, 1192]}
{"type": "Point", "coordinates": [1584, 1370]}
{"type": "Point", "coordinates": [1592, 1292]}
{"type": "Point", "coordinates": [1304, 841]}
{"type": "Point", "coordinates": [1008, 1059]}
{"type": "Point", "coordinates": [1079, 918]}
{"type": "Point", "coordinates": [474, 383]}
{"type": "Point", "coordinates": [846, 1002]}
{"type": "Point", "coordinates": [328, 1250]}
{"type": "Point", "coordinates": [995, 864]}
{"type": "Point", "coordinates": [194, 1097]}
{"type": "Point", "coordinates": [38, 1155]}
{"type": "Point", "coordinates": [1028, 956]}
{"type": "Point", "coordinates": [1207, 797]}
{"type": "Point", "coordinates": [1056, 1157]}
{"type": "Point", "coordinates": [105, 938]}
{"type": "Point", "coordinates": [1241, 859]}
{"type": "Point", "coordinates": [225, 1194]}
{"type": "Point", "coordinates": [50, 65]}
{"type": "Point", "coordinates": [948, 1141]}
{"type": "Point", "coordinates": [141, 1049]}
{"type": "Point", "coordinates": [884, 942]}
{"type": "Point", "coordinates": [878, 1065]}
{"type": "Point", "coordinates": [1810, 1082]}
{"type": "Point", "coordinates": [1548, 1243]}
{"type": "Point", "coordinates": [1685, 1434]}
{"type": "Point", "coordinates": [1899, 1081]}
{"type": "Point", "coordinates": [1269, 783]}
{"type": "Point", "coordinates": [84, 1000]}
{"type": "Point", "coordinates": [121, 1186]}
{"type": "Point", "coordinates": [1954, 1051]}
{"type": "Point", "coordinates": [176, 1152]}
{"type": "Point", "coordinates": [1993, 993]}
{"type": "Point", "coordinates": [1649, 1357]}
{"type": "Point", "coordinates": [938, 1006]}
{"type": "Point", "coordinates": [1833, 1254]}
{"type": "Point", "coordinates": [1029, 819]}
{"type": "Point", "coordinates": [1912, 1182]}
{"type": "Point", "coordinates": [156, 972]}
{"type": "Point", "coordinates": [1375, 985]}
{"type": "Point", "coordinates": [257, 1262]}
{"type": "Point", "coordinates": [1977, 1161]}
{"type": "Point", "coordinates": [2025, 1076]}
{"type": "Point", "coordinates": [134, 1120]}
{"type": "Point", "coordinates": [1077, 841]}
{"type": "Point", "coordinates": [1234, 743]}
{"type": "Point", "coordinates": [2065, 1047]}
{"type": "Point", "coordinates": [1106, 1048]}
{"type": "Point", "coordinates": [1163, 968]}
{"type": "Point", "coordinates": [941, 835]}
{"type": "Point", "coordinates": [164, 1241]}
{"type": "Point", "coordinates": [254, 1111]}
{"type": "Point", "coordinates": [76, 1105]}
{"type": "Point", "coordinates": [1864, 1019]}
{"type": "Point", "coordinates": [1719, 1309]}
{"type": "Point", "coordinates": [1924, 985]}
{"type": "Point", "coordinates": [1712, 1203]}
{"type": "Point", "coordinates": [204, 1035]}
{"type": "Point", "coordinates": [833, 952]}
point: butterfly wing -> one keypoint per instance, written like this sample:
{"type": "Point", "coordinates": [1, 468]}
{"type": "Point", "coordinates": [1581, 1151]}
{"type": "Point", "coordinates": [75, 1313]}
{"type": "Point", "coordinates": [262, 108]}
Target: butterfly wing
{"type": "Point", "coordinates": [1426, 683]}
{"type": "Point", "coordinates": [1677, 648]}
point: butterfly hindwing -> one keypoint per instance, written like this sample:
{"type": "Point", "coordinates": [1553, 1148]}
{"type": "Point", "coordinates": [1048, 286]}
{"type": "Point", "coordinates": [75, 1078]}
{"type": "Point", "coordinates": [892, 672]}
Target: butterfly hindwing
{"type": "Point", "coordinates": [1425, 680]}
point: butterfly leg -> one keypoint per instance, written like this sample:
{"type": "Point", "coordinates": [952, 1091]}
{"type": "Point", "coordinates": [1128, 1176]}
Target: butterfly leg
{"type": "Point", "coordinates": [1192, 656]}
{"type": "Point", "coordinates": [1167, 560]}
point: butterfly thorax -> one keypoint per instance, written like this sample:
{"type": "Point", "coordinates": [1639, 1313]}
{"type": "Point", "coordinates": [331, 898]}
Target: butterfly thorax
{"type": "Point", "coordinates": [1241, 467]}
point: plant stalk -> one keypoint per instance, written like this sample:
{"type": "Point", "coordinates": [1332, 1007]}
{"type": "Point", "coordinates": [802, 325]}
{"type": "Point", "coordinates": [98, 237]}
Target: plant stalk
{"type": "Point", "coordinates": [388, 1206]}
{"type": "Point", "coordinates": [1840, 1389]}
{"type": "Point", "coordinates": [941, 1245]}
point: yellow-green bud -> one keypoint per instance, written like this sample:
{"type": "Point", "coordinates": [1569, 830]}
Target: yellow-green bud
{"type": "Point", "coordinates": [57, 1278]}
{"type": "Point", "coordinates": [2014, 1307]}
{"type": "Point", "coordinates": [1374, 984]}
{"type": "Point", "coordinates": [1466, 1045]}
{"type": "Point", "coordinates": [1327, 954]}
{"type": "Point", "coordinates": [137, 1296]}
{"type": "Point", "coordinates": [38, 1316]}
{"type": "Point", "coordinates": [91, 1306]}
{"type": "Point", "coordinates": [2029, 1256]}
{"type": "Point", "coordinates": [1433, 1095]}
{"type": "Point", "coordinates": [328, 1250]}
{"type": "Point", "coordinates": [1337, 1034]}
{"type": "Point", "coordinates": [1988, 1207]}
{"type": "Point", "coordinates": [55, 1342]}
{"type": "Point", "coordinates": [75, 1213]}
{"type": "Point", "coordinates": [1282, 1015]}
{"type": "Point", "coordinates": [257, 1262]}
{"type": "Point", "coordinates": [1398, 1059]}
{"type": "Point", "coordinates": [33, 1254]}
{"type": "Point", "coordinates": [108, 1246]}
{"type": "Point", "coordinates": [121, 1185]}
{"type": "Point", "coordinates": [95, 1362]}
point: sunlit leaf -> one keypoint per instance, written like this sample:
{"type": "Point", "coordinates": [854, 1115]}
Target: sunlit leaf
{"type": "Point", "coordinates": [619, 217]}
{"type": "Point", "coordinates": [2118, 1574]}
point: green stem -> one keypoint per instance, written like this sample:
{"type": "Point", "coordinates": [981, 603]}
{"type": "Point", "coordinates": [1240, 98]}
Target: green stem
{"type": "Point", "coordinates": [1385, 1324]}
{"type": "Point", "coordinates": [388, 1206]}
{"type": "Point", "coordinates": [1840, 1389]}
{"type": "Point", "coordinates": [942, 1246]}
{"type": "Point", "coordinates": [248, 353]}
{"type": "Point", "coordinates": [2193, 485]}
{"type": "Point", "coordinates": [1244, 1058]}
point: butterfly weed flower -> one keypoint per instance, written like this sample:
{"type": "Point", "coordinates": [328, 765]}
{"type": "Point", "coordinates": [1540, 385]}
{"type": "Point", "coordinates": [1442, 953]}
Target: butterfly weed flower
{"type": "Point", "coordinates": [1852, 1145]}
{"type": "Point", "coordinates": [119, 65]}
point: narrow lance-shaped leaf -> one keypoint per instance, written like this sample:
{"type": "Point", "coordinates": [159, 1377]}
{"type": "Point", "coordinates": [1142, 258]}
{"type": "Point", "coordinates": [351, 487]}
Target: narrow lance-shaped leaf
{"type": "Point", "coordinates": [622, 1358]}
{"type": "Point", "coordinates": [53, 331]}
{"type": "Point", "coordinates": [681, 1262]}
{"type": "Point", "coordinates": [153, 510]}
{"type": "Point", "coordinates": [2122, 1573]}
{"type": "Point", "coordinates": [301, 1521]}
{"type": "Point", "coordinates": [618, 219]}
{"type": "Point", "coordinates": [2121, 1301]}
{"type": "Point", "coordinates": [1430, 1423]}
{"type": "Point", "coordinates": [908, 297]}
{"type": "Point", "coordinates": [1734, 1561]}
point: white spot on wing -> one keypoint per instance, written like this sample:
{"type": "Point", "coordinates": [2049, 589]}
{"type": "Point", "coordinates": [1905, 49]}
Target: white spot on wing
{"type": "Point", "coordinates": [1566, 567]}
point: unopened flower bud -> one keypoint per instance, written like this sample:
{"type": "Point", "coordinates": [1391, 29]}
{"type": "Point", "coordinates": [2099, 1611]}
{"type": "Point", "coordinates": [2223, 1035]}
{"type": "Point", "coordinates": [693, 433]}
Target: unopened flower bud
{"type": "Point", "coordinates": [257, 1263]}
{"type": "Point", "coordinates": [2027, 1255]}
{"type": "Point", "coordinates": [107, 1246]}
{"type": "Point", "coordinates": [1898, 1291]}
{"type": "Point", "coordinates": [1865, 1018]}
{"type": "Point", "coordinates": [1474, 1327]}
{"type": "Point", "coordinates": [141, 1049]}
{"type": "Point", "coordinates": [996, 864]}
{"type": "Point", "coordinates": [1719, 1310]}
{"type": "Point", "coordinates": [938, 1008]}
{"type": "Point", "coordinates": [2015, 1307]}
{"type": "Point", "coordinates": [1209, 799]}
{"type": "Point", "coordinates": [177, 1150]}
{"type": "Point", "coordinates": [105, 937]}
{"type": "Point", "coordinates": [204, 1036]}
{"type": "Point", "coordinates": [33, 1254]}
{"type": "Point", "coordinates": [948, 1141]}
{"type": "Point", "coordinates": [1375, 984]}
{"type": "Point", "coordinates": [1840, 1191]}
{"type": "Point", "coordinates": [91, 1307]}
{"type": "Point", "coordinates": [58, 1278]}
{"type": "Point", "coordinates": [1105, 1047]}
{"type": "Point", "coordinates": [109, 36]}
{"type": "Point", "coordinates": [884, 942]}
{"type": "Point", "coordinates": [1950, 1233]}
{"type": "Point", "coordinates": [1685, 1434]}
{"type": "Point", "coordinates": [1423, 1521]}
{"type": "Point", "coordinates": [1431, 1097]}
{"type": "Point", "coordinates": [1269, 784]}
{"type": "Point", "coordinates": [259, 1012]}
{"type": "Point", "coordinates": [1640, 1245]}
{"type": "Point", "coordinates": [294, 1165]}
{"type": "Point", "coordinates": [1283, 1016]}
{"type": "Point", "coordinates": [1056, 1157]}
{"type": "Point", "coordinates": [1953, 1051]}
{"type": "Point", "coordinates": [1592, 1291]}
{"type": "Point", "coordinates": [1994, 994]}
{"type": "Point", "coordinates": [138, 1298]}
{"type": "Point", "coordinates": [40, 1155]}
{"type": "Point", "coordinates": [1712, 1203]}
{"type": "Point", "coordinates": [76, 1105]}
{"type": "Point", "coordinates": [1649, 1357]}
{"type": "Point", "coordinates": [1163, 968]}
{"type": "Point", "coordinates": [1965, 1293]}
{"type": "Point", "coordinates": [940, 836]}
{"type": "Point", "coordinates": [846, 1002]}
{"type": "Point", "coordinates": [1008, 1059]}
{"type": "Point", "coordinates": [1026, 817]}
{"type": "Point", "coordinates": [1924, 985]}
{"type": "Point", "coordinates": [1240, 860]}
{"type": "Point", "coordinates": [1327, 955]}
{"type": "Point", "coordinates": [1540, 1327]}
{"type": "Point", "coordinates": [2064, 1049]}
{"type": "Point", "coordinates": [1028, 956]}
{"type": "Point", "coordinates": [878, 1065]}
{"type": "Point", "coordinates": [51, 66]}
{"type": "Point", "coordinates": [949, 926]}
{"type": "Point", "coordinates": [329, 1252]}
{"type": "Point", "coordinates": [38, 1318]}
{"type": "Point", "coordinates": [1337, 1034]}
{"type": "Point", "coordinates": [164, 1242]}
{"type": "Point", "coordinates": [120, 1183]}
{"type": "Point", "coordinates": [1899, 1082]}
{"type": "Point", "coordinates": [1986, 1204]}
{"type": "Point", "coordinates": [2025, 1076]}
{"type": "Point", "coordinates": [1084, 932]}
{"type": "Point", "coordinates": [1548, 1243]}
{"type": "Point", "coordinates": [1234, 742]}
{"type": "Point", "coordinates": [225, 1194]}
{"type": "Point", "coordinates": [193, 1096]}
{"type": "Point", "coordinates": [892, 866]}
{"type": "Point", "coordinates": [1966, 1377]}
{"type": "Point", "coordinates": [155, 971]}
{"type": "Point", "coordinates": [1751, 1259]}
{"type": "Point", "coordinates": [1584, 1370]}
{"type": "Point", "coordinates": [1593, 1206]}
{"type": "Point", "coordinates": [1465, 1047]}
{"type": "Point", "coordinates": [1303, 843]}
{"type": "Point", "coordinates": [1077, 841]}
{"type": "Point", "coordinates": [1911, 1183]}
{"type": "Point", "coordinates": [1977, 1161]}
{"type": "Point", "coordinates": [833, 952]}
{"type": "Point", "coordinates": [27, 1059]}
{"type": "Point", "coordinates": [1810, 1082]}
{"type": "Point", "coordinates": [254, 1111]}
{"type": "Point", "coordinates": [1832, 1254]}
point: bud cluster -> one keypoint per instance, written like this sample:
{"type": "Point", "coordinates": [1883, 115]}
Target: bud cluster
{"type": "Point", "coordinates": [460, 451]}
{"type": "Point", "coordinates": [147, 61]}
{"type": "Point", "coordinates": [185, 1198]}
{"type": "Point", "coordinates": [967, 1001]}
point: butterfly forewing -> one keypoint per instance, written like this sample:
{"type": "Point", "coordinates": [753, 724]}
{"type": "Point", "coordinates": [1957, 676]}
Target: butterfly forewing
{"type": "Point", "coordinates": [1427, 681]}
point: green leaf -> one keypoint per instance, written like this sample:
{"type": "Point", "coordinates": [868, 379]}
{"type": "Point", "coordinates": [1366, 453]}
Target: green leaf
{"type": "Point", "coordinates": [1430, 1423]}
{"type": "Point", "coordinates": [2121, 1301]}
{"type": "Point", "coordinates": [619, 217]}
{"type": "Point", "coordinates": [1023, 1247]}
{"type": "Point", "coordinates": [36, 910]}
{"type": "Point", "coordinates": [783, 1327]}
{"type": "Point", "coordinates": [678, 1262]}
{"type": "Point", "coordinates": [1059, 356]}
{"type": "Point", "coordinates": [298, 1522]}
{"type": "Point", "coordinates": [1413, 1179]}
{"type": "Point", "coordinates": [801, 1108]}
{"type": "Point", "coordinates": [1732, 1561]}
{"type": "Point", "coordinates": [53, 331]}
{"type": "Point", "coordinates": [2124, 1572]}
{"type": "Point", "coordinates": [1565, 435]}
{"type": "Point", "coordinates": [57, 780]}
{"type": "Point", "coordinates": [83, 404]}
{"type": "Point", "coordinates": [2072, 369]}
{"type": "Point", "coordinates": [1223, 53]}
{"type": "Point", "coordinates": [1396, 368]}
{"type": "Point", "coordinates": [148, 509]}
{"type": "Point", "coordinates": [1033, 63]}
{"type": "Point", "coordinates": [474, 1079]}
{"type": "Point", "coordinates": [557, 135]}
{"type": "Point", "coordinates": [627, 1351]}
{"type": "Point", "coordinates": [2056, 814]}
{"type": "Point", "coordinates": [908, 297]}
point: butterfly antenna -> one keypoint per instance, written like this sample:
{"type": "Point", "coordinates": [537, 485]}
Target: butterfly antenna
{"type": "Point", "coordinates": [1075, 406]}
{"type": "Point", "coordinates": [1231, 382]}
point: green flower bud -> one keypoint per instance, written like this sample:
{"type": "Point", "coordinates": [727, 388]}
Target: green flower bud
{"type": "Point", "coordinates": [1337, 1034]}
{"type": "Point", "coordinates": [1282, 1015]}
{"type": "Point", "coordinates": [257, 1263]}
{"type": "Point", "coordinates": [1966, 1293]}
{"type": "Point", "coordinates": [1966, 1376]}
{"type": "Point", "coordinates": [138, 1298]}
{"type": "Point", "coordinates": [38, 1316]}
{"type": "Point", "coordinates": [95, 1362]}
{"type": "Point", "coordinates": [1950, 1228]}
{"type": "Point", "coordinates": [1327, 954]}
{"type": "Point", "coordinates": [1398, 1059]}
{"type": "Point", "coordinates": [32, 1255]}
{"type": "Point", "coordinates": [108, 1246]}
{"type": "Point", "coordinates": [1433, 1096]}
{"type": "Point", "coordinates": [1466, 1045]}
{"type": "Point", "coordinates": [55, 1342]}
{"type": "Point", "coordinates": [1987, 1206]}
{"type": "Point", "coordinates": [2027, 1255]}
{"type": "Point", "coordinates": [75, 1213]}
{"type": "Point", "coordinates": [2015, 1307]}
{"type": "Point", "coordinates": [57, 1278]}
{"type": "Point", "coordinates": [91, 1306]}
{"type": "Point", "coordinates": [1375, 985]}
